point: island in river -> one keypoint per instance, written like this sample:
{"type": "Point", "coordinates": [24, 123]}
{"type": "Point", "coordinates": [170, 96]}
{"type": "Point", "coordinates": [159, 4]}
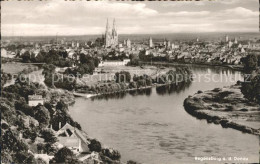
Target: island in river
{"type": "Point", "coordinates": [226, 106]}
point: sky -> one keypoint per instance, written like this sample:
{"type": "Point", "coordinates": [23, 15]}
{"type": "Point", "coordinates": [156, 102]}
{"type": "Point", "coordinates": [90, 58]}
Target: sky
{"type": "Point", "coordinates": [51, 17]}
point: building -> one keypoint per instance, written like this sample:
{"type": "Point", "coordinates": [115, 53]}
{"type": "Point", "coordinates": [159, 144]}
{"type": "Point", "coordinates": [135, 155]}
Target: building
{"type": "Point", "coordinates": [111, 37]}
{"type": "Point", "coordinates": [230, 44]}
{"type": "Point", "coordinates": [114, 63]}
{"type": "Point", "coordinates": [235, 41]}
{"type": "Point", "coordinates": [226, 38]}
{"type": "Point", "coordinates": [150, 42]}
{"type": "Point", "coordinates": [36, 45]}
{"type": "Point", "coordinates": [34, 100]}
{"type": "Point", "coordinates": [6, 54]}
{"type": "Point", "coordinates": [164, 43]}
{"type": "Point", "coordinates": [128, 43]}
{"type": "Point", "coordinates": [168, 44]}
{"type": "Point", "coordinates": [73, 138]}
{"type": "Point", "coordinates": [72, 44]}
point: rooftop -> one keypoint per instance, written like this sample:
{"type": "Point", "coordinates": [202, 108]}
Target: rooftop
{"type": "Point", "coordinates": [35, 97]}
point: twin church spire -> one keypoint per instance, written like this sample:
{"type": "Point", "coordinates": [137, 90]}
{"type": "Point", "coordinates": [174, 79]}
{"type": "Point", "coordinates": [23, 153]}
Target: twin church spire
{"type": "Point", "coordinates": [111, 37]}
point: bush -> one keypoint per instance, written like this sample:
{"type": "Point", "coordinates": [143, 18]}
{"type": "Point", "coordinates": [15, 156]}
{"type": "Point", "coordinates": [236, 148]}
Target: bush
{"type": "Point", "coordinates": [251, 90]}
{"type": "Point", "coordinates": [250, 63]}
{"type": "Point", "coordinates": [64, 155]}
{"type": "Point", "coordinates": [112, 154]}
{"type": "Point", "coordinates": [123, 76]}
{"type": "Point", "coordinates": [24, 157]}
{"type": "Point", "coordinates": [94, 145]}
{"type": "Point", "coordinates": [132, 162]}
{"type": "Point", "coordinates": [30, 134]}
{"type": "Point", "coordinates": [48, 136]}
{"type": "Point", "coordinates": [132, 85]}
{"type": "Point", "coordinates": [42, 115]}
{"type": "Point", "coordinates": [10, 142]}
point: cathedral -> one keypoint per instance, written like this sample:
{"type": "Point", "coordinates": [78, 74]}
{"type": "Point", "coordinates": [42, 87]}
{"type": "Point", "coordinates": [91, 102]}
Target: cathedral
{"type": "Point", "coordinates": [111, 37]}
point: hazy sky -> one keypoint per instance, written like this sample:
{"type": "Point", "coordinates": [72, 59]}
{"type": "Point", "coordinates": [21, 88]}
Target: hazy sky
{"type": "Point", "coordinates": [89, 17]}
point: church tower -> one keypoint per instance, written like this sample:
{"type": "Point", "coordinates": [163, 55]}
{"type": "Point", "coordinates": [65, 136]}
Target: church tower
{"type": "Point", "coordinates": [150, 42]}
{"type": "Point", "coordinates": [227, 38]}
{"type": "Point", "coordinates": [107, 35]}
{"type": "Point", "coordinates": [114, 33]}
{"type": "Point", "coordinates": [111, 38]}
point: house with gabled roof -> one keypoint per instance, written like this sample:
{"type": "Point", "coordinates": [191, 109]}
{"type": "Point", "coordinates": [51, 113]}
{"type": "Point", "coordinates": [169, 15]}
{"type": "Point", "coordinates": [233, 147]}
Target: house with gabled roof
{"type": "Point", "coordinates": [73, 138]}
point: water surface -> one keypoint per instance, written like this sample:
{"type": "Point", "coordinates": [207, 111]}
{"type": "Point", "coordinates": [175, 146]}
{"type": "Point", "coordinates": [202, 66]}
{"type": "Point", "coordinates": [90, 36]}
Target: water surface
{"type": "Point", "coordinates": [153, 127]}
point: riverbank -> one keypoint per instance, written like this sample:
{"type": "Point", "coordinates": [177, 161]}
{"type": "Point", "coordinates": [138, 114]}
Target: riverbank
{"type": "Point", "coordinates": [227, 107]}
{"type": "Point", "coordinates": [89, 95]}
{"type": "Point", "coordinates": [171, 77]}
{"type": "Point", "coordinates": [234, 67]}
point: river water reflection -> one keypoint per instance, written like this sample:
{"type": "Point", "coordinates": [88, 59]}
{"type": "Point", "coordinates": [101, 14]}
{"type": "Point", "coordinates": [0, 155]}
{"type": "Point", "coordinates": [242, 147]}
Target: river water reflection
{"type": "Point", "coordinates": [151, 126]}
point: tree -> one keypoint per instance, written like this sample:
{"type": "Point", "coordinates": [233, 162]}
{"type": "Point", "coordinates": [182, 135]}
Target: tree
{"type": "Point", "coordinates": [11, 143]}
{"type": "Point", "coordinates": [48, 69]}
{"type": "Point", "coordinates": [123, 76]}
{"type": "Point", "coordinates": [48, 106]}
{"type": "Point", "coordinates": [141, 83]}
{"type": "Point", "coordinates": [112, 154]}
{"type": "Point", "coordinates": [42, 115]}
{"type": "Point", "coordinates": [26, 57]}
{"type": "Point", "coordinates": [64, 155]}
{"type": "Point", "coordinates": [48, 136]}
{"type": "Point", "coordinates": [94, 145]}
{"type": "Point", "coordinates": [40, 57]}
{"type": "Point", "coordinates": [21, 105]}
{"type": "Point", "coordinates": [149, 81]}
{"type": "Point", "coordinates": [96, 62]}
{"type": "Point", "coordinates": [62, 106]}
{"type": "Point", "coordinates": [133, 84]}
{"type": "Point", "coordinates": [40, 161]}
{"type": "Point", "coordinates": [24, 157]}
{"type": "Point", "coordinates": [30, 133]}
{"type": "Point", "coordinates": [63, 54]}
{"type": "Point", "coordinates": [99, 42]}
{"type": "Point", "coordinates": [251, 90]}
{"type": "Point", "coordinates": [83, 58]}
{"type": "Point", "coordinates": [40, 148]}
{"type": "Point", "coordinates": [49, 148]}
{"type": "Point", "coordinates": [250, 63]}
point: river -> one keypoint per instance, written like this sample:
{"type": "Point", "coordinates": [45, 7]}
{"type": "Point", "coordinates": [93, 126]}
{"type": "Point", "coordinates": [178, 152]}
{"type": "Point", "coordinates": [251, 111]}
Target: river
{"type": "Point", "coordinates": [153, 127]}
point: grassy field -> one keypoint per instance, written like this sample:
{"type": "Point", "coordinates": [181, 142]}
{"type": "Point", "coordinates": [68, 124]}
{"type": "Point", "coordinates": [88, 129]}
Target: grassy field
{"type": "Point", "coordinates": [109, 72]}
{"type": "Point", "coordinates": [15, 67]}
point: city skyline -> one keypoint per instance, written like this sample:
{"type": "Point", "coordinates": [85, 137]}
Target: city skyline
{"type": "Point", "coordinates": [47, 18]}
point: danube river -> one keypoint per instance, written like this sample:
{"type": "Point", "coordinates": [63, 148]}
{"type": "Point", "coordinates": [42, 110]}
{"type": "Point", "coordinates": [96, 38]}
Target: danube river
{"type": "Point", "coordinates": [153, 127]}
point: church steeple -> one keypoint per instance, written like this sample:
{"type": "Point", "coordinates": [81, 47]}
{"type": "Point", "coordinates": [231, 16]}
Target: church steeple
{"type": "Point", "coordinates": [114, 24]}
{"type": "Point", "coordinates": [114, 33]}
{"type": "Point", "coordinates": [107, 26]}
{"type": "Point", "coordinates": [111, 37]}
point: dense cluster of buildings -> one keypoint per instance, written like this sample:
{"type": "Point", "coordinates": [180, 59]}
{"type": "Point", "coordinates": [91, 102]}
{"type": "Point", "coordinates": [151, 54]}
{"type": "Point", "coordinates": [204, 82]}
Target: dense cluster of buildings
{"type": "Point", "coordinates": [229, 52]}
{"type": "Point", "coordinates": [226, 51]}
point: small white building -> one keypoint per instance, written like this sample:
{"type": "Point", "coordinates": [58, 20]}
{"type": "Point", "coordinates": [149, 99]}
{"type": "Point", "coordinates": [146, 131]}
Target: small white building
{"type": "Point", "coordinates": [34, 100]}
{"type": "Point", "coordinates": [114, 63]}
{"type": "Point", "coordinates": [7, 54]}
